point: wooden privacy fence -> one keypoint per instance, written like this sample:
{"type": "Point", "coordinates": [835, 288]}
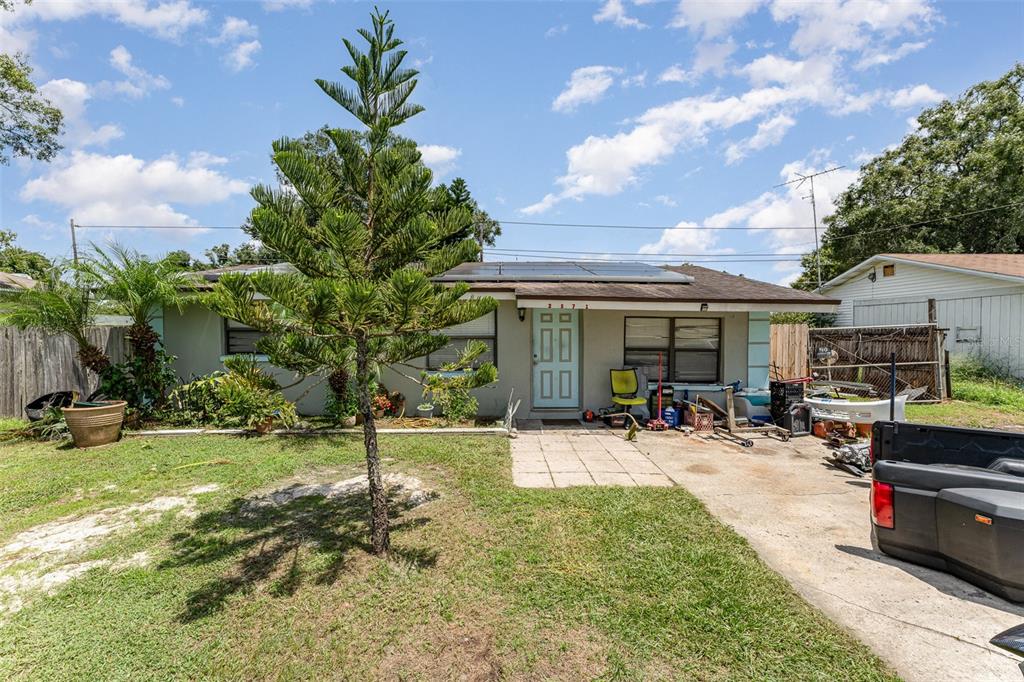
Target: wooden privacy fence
{"type": "Point", "coordinates": [862, 355]}
{"type": "Point", "coordinates": [33, 364]}
{"type": "Point", "coordinates": [788, 351]}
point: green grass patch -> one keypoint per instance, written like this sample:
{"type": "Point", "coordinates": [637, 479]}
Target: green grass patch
{"type": "Point", "coordinates": [488, 580]}
{"type": "Point", "coordinates": [985, 396]}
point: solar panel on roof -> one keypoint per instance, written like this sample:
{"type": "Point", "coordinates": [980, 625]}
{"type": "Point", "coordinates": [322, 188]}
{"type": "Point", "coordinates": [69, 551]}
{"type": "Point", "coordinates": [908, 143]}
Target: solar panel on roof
{"type": "Point", "coordinates": [563, 271]}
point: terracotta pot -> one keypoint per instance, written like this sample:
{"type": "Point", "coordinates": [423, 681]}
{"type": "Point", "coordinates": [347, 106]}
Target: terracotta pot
{"type": "Point", "coordinates": [92, 426]}
{"type": "Point", "coordinates": [265, 426]}
{"type": "Point", "coordinates": [377, 414]}
{"type": "Point", "coordinates": [348, 422]}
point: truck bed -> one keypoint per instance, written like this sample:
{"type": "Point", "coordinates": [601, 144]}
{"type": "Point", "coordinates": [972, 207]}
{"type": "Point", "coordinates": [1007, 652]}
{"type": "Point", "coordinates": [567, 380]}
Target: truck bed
{"type": "Point", "coordinates": [957, 501]}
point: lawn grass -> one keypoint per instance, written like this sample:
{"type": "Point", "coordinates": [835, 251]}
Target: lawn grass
{"type": "Point", "coordinates": [487, 581]}
{"type": "Point", "coordinates": [985, 397]}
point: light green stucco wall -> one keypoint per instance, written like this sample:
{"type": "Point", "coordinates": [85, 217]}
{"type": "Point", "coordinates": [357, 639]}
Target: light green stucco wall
{"type": "Point", "coordinates": [196, 337]}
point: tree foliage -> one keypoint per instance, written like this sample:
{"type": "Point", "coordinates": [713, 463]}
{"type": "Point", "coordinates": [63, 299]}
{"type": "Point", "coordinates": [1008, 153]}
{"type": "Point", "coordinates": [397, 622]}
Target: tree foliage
{"type": "Point", "coordinates": [965, 157]}
{"type": "Point", "coordinates": [483, 227]}
{"type": "Point", "coordinates": [29, 124]}
{"type": "Point", "coordinates": [18, 260]}
{"type": "Point", "coordinates": [359, 227]}
{"type": "Point", "coordinates": [133, 285]}
{"type": "Point", "coordinates": [57, 306]}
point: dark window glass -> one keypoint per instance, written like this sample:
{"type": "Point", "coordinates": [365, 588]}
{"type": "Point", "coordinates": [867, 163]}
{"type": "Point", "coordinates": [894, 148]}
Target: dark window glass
{"type": "Point", "coordinates": [689, 346]}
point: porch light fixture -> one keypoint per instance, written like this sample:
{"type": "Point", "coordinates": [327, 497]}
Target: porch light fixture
{"type": "Point", "coordinates": [703, 307]}
{"type": "Point", "coordinates": [522, 314]}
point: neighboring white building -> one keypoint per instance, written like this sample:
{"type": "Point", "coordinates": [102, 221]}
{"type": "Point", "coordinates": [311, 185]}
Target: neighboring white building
{"type": "Point", "coordinates": [978, 298]}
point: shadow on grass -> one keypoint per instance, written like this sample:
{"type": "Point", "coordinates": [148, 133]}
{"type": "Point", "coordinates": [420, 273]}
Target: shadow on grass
{"type": "Point", "coordinates": [268, 541]}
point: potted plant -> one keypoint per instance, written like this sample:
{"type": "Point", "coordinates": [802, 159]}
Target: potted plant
{"type": "Point", "coordinates": [97, 423]}
{"type": "Point", "coordinates": [381, 404]}
{"type": "Point", "coordinates": [425, 409]}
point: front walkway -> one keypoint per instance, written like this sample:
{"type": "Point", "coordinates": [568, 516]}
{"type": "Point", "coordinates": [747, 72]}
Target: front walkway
{"type": "Point", "coordinates": [567, 457]}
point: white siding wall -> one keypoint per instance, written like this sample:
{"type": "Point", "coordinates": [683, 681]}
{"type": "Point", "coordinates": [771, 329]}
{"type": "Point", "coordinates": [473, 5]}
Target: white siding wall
{"type": "Point", "coordinates": [911, 282]}
{"type": "Point", "coordinates": [982, 316]}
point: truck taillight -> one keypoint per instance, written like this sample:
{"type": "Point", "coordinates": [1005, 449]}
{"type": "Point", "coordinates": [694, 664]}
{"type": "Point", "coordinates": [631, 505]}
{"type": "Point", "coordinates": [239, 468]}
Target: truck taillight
{"type": "Point", "coordinates": [882, 504]}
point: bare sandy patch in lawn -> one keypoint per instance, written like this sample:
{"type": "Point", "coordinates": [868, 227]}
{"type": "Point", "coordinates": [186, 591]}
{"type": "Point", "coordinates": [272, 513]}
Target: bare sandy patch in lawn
{"type": "Point", "coordinates": [409, 490]}
{"type": "Point", "coordinates": [42, 559]}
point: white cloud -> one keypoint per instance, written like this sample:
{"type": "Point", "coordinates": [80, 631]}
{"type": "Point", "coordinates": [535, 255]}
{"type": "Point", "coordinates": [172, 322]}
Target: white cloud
{"type": "Point", "coordinates": [674, 74]}
{"type": "Point", "coordinates": [615, 12]}
{"type": "Point", "coordinates": [787, 207]}
{"type": "Point", "coordinates": [556, 31]}
{"type": "Point", "coordinates": [666, 200]}
{"type": "Point", "coordinates": [235, 29]}
{"type": "Point", "coordinates": [239, 36]}
{"type": "Point", "coordinates": [123, 189]}
{"type": "Point", "coordinates": [850, 25]}
{"type": "Point", "coordinates": [169, 19]}
{"type": "Point", "coordinates": [439, 158]}
{"type": "Point", "coordinates": [712, 57]}
{"type": "Point", "coordinates": [71, 96]}
{"type": "Point", "coordinates": [885, 55]}
{"type": "Point", "coordinates": [280, 5]}
{"type": "Point", "coordinates": [605, 165]}
{"type": "Point", "coordinates": [178, 101]}
{"type": "Point", "coordinates": [915, 96]}
{"type": "Point", "coordinates": [712, 18]}
{"type": "Point", "coordinates": [638, 80]}
{"type": "Point", "coordinates": [709, 57]}
{"type": "Point", "coordinates": [769, 133]}
{"type": "Point", "coordinates": [241, 56]}
{"type": "Point", "coordinates": [684, 241]}
{"type": "Point", "coordinates": [586, 85]}
{"type": "Point", "coordinates": [541, 206]}
{"type": "Point", "coordinates": [138, 82]}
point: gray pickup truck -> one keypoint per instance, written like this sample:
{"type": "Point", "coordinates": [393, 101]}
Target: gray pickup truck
{"type": "Point", "coordinates": [951, 499]}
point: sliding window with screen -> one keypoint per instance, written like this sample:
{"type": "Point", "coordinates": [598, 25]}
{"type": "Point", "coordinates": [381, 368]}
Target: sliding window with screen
{"type": "Point", "coordinates": [689, 346]}
{"type": "Point", "coordinates": [481, 329]}
{"type": "Point", "coordinates": [240, 339]}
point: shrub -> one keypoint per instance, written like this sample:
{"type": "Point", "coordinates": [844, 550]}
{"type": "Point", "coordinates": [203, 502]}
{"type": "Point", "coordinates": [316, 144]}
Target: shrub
{"type": "Point", "coordinates": [244, 396]}
{"type": "Point", "coordinates": [139, 382]}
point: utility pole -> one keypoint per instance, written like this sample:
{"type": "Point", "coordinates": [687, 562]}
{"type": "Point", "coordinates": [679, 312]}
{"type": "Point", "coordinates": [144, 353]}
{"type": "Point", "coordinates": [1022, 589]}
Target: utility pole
{"type": "Point", "coordinates": [74, 243]}
{"type": "Point", "coordinates": [800, 180]}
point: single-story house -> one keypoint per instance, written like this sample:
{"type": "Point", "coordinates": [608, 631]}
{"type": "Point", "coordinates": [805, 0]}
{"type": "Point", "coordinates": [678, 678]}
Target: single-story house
{"type": "Point", "coordinates": [978, 298]}
{"type": "Point", "coordinates": [558, 330]}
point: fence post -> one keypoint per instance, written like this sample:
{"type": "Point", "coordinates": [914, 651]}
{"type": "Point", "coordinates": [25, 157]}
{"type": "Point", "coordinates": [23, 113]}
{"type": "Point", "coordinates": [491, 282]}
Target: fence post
{"type": "Point", "coordinates": [892, 388]}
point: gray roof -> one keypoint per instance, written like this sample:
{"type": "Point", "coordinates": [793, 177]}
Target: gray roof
{"type": "Point", "coordinates": [610, 282]}
{"type": "Point", "coordinates": [13, 281]}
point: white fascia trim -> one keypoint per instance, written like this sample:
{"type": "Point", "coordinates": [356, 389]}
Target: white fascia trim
{"type": "Point", "coordinates": [842, 278]}
{"type": "Point", "coordinates": [678, 306]}
{"type": "Point", "coordinates": [496, 295]}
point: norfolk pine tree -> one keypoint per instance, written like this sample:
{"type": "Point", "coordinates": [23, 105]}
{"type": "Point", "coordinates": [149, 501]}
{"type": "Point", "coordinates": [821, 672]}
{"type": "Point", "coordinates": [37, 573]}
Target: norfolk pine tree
{"type": "Point", "coordinates": [364, 243]}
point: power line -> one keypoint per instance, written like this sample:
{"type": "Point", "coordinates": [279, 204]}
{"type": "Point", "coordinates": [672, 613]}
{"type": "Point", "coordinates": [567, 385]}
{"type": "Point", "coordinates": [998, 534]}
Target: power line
{"type": "Point", "coordinates": [645, 258]}
{"type": "Point", "coordinates": [890, 228]}
{"type": "Point", "coordinates": [582, 225]}
{"type": "Point", "coordinates": [634, 253]}
{"type": "Point", "coordinates": [599, 226]}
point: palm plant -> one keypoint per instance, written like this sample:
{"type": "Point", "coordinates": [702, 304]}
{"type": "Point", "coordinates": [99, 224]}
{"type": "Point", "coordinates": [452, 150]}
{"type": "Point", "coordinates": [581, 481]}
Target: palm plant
{"type": "Point", "coordinates": [135, 286]}
{"type": "Point", "coordinates": [56, 306]}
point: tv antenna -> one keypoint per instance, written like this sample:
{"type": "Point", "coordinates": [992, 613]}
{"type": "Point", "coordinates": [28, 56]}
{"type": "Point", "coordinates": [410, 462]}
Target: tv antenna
{"type": "Point", "coordinates": [800, 180]}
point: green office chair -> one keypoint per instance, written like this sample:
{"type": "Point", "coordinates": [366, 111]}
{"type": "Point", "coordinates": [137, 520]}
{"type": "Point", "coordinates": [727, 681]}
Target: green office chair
{"type": "Point", "coordinates": [625, 386]}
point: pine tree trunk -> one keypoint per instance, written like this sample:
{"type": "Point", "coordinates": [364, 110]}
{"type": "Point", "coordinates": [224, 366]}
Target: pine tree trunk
{"type": "Point", "coordinates": [379, 532]}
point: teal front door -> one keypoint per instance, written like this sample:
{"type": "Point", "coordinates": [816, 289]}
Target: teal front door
{"type": "Point", "coordinates": [556, 358]}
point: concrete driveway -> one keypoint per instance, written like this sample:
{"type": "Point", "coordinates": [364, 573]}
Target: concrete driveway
{"type": "Point", "coordinates": [810, 523]}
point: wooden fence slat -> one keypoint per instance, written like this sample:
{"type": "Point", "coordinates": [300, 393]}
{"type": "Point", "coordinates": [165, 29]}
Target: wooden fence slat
{"type": "Point", "coordinates": [788, 351]}
{"type": "Point", "coordinates": [33, 364]}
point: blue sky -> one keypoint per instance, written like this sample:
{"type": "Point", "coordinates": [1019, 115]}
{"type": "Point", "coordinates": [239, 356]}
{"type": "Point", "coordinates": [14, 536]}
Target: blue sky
{"type": "Point", "coordinates": [615, 112]}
